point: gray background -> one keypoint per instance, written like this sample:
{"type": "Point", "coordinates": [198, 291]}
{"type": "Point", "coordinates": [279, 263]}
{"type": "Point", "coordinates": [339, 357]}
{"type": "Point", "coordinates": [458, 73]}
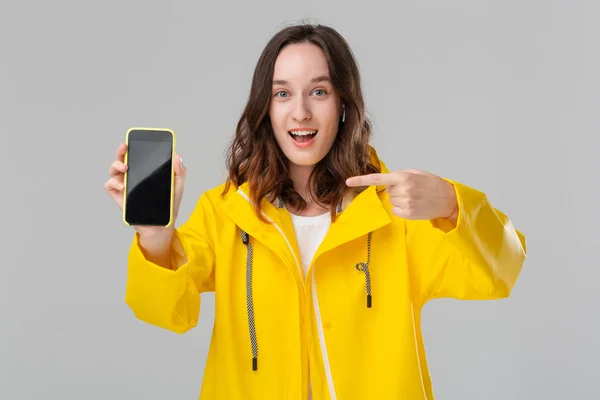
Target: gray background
{"type": "Point", "coordinates": [500, 95]}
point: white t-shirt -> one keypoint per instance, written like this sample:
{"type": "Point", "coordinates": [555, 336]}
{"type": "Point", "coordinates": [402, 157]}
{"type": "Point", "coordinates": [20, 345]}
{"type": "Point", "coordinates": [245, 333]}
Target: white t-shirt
{"type": "Point", "coordinates": [310, 232]}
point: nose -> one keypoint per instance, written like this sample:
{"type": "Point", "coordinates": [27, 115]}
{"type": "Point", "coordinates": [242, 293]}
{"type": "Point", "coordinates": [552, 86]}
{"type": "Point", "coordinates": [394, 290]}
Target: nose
{"type": "Point", "coordinates": [301, 110]}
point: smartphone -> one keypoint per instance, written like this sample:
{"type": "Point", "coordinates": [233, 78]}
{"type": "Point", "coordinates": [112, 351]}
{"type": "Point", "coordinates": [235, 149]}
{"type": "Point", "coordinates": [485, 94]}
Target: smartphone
{"type": "Point", "coordinates": [149, 179]}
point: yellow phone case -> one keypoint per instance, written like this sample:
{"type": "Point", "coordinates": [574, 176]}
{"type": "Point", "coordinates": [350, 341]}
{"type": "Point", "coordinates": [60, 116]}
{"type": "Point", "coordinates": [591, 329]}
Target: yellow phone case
{"type": "Point", "coordinates": [172, 171]}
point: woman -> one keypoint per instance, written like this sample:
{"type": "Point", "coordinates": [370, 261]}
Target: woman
{"type": "Point", "coordinates": [320, 257]}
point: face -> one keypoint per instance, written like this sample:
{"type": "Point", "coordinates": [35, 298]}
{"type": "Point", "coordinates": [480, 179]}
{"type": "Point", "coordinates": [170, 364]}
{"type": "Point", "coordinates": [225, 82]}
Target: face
{"type": "Point", "coordinates": [305, 110]}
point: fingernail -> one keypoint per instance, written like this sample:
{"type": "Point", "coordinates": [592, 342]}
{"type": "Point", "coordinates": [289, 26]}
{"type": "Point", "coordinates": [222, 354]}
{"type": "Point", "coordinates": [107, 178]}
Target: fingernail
{"type": "Point", "coordinates": [181, 161]}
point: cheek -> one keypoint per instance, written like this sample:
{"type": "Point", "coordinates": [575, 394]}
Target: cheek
{"type": "Point", "coordinates": [329, 119]}
{"type": "Point", "coordinates": [278, 118]}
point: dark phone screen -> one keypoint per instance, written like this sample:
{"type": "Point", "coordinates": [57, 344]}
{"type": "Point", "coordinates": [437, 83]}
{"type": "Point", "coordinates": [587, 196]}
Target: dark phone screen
{"type": "Point", "coordinates": [149, 158]}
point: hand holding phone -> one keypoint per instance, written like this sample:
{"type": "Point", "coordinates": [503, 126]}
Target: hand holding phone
{"type": "Point", "coordinates": [147, 179]}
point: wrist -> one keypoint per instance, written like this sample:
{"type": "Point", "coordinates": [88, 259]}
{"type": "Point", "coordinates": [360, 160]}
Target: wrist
{"type": "Point", "coordinates": [454, 214]}
{"type": "Point", "coordinates": [452, 208]}
{"type": "Point", "coordinates": [154, 234]}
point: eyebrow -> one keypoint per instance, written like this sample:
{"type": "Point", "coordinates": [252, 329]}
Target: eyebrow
{"type": "Point", "coordinates": [322, 78]}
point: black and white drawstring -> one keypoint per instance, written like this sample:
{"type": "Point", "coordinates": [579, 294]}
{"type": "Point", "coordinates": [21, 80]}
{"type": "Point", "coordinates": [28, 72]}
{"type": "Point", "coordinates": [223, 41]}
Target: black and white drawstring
{"type": "Point", "coordinates": [364, 267]}
{"type": "Point", "coordinates": [249, 300]}
{"type": "Point", "coordinates": [361, 266]}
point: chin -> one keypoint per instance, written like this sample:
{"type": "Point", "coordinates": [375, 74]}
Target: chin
{"type": "Point", "coordinates": [303, 160]}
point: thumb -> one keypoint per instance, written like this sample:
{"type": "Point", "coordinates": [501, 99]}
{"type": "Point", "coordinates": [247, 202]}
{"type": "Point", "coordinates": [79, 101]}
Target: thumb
{"type": "Point", "coordinates": [417, 171]}
{"type": "Point", "coordinates": [179, 167]}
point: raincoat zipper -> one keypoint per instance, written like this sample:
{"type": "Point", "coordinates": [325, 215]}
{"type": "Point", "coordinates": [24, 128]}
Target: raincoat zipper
{"type": "Point", "coordinates": [324, 357]}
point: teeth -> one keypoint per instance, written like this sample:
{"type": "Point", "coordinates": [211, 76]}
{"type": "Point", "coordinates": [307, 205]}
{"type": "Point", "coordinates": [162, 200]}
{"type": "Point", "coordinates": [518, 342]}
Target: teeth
{"type": "Point", "coordinates": [303, 133]}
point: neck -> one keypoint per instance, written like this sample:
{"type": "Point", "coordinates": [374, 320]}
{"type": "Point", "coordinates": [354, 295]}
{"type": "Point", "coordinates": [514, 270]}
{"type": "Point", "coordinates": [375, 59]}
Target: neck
{"type": "Point", "coordinates": [299, 176]}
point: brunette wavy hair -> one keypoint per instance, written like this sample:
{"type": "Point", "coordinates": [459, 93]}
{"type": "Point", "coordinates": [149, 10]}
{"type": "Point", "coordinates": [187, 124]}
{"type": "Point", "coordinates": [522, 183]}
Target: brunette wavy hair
{"type": "Point", "coordinates": [255, 157]}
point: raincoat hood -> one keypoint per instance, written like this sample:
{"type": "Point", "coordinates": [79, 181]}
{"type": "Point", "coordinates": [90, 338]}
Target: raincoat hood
{"type": "Point", "coordinates": [375, 160]}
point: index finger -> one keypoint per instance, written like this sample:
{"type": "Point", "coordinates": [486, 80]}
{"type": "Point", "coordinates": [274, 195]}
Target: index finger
{"type": "Point", "coordinates": [121, 150]}
{"type": "Point", "coordinates": [371, 179]}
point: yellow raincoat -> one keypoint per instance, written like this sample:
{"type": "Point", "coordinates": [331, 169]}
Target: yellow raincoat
{"type": "Point", "coordinates": [355, 320]}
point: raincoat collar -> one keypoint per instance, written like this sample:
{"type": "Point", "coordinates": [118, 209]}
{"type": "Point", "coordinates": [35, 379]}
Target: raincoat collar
{"type": "Point", "coordinates": [362, 212]}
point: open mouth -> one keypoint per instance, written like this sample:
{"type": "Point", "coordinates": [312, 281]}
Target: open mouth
{"type": "Point", "coordinates": [303, 136]}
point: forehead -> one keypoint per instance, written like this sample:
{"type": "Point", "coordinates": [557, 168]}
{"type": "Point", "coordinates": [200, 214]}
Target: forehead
{"type": "Point", "coordinates": [300, 62]}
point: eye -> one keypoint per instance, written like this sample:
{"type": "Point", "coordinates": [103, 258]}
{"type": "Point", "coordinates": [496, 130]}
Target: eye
{"type": "Point", "coordinates": [281, 94]}
{"type": "Point", "coordinates": [320, 92]}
